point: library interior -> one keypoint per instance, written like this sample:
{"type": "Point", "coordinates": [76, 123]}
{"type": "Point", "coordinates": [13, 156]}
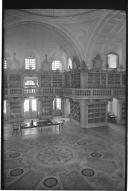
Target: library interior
{"type": "Point", "coordinates": [64, 106]}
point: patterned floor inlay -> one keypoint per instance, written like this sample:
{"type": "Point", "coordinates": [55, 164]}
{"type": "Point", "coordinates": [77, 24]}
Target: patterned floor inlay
{"type": "Point", "coordinates": [88, 172]}
{"type": "Point", "coordinates": [73, 181]}
{"type": "Point", "coordinates": [16, 172]}
{"type": "Point", "coordinates": [55, 155]}
{"type": "Point", "coordinates": [76, 159]}
{"type": "Point", "coordinates": [13, 163]}
{"type": "Point", "coordinates": [50, 182]}
{"type": "Point", "coordinates": [14, 155]}
{"type": "Point", "coordinates": [96, 155]}
{"type": "Point", "coordinates": [106, 166]}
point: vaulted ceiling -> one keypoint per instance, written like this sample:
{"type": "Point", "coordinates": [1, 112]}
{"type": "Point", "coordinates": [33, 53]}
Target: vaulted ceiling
{"type": "Point", "coordinates": [81, 32]}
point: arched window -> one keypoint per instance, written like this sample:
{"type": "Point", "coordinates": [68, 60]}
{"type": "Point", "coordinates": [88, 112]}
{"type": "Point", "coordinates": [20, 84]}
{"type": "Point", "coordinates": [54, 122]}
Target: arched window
{"type": "Point", "coordinates": [69, 63]}
{"type": "Point", "coordinates": [56, 65]}
{"type": "Point", "coordinates": [5, 64]}
{"type": "Point", "coordinates": [29, 83]}
{"type": "Point", "coordinates": [112, 60]}
{"type": "Point", "coordinates": [30, 63]}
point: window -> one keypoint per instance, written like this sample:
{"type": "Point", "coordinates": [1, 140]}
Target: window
{"type": "Point", "coordinates": [57, 103]}
{"type": "Point", "coordinates": [112, 60]}
{"type": "Point", "coordinates": [56, 65]}
{"type": "Point", "coordinates": [30, 63]}
{"type": "Point", "coordinates": [34, 105]}
{"type": "Point", "coordinates": [29, 83]}
{"type": "Point", "coordinates": [5, 106]}
{"type": "Point", "coordinates": [30, 103]}
{"type": "Point", "coordinates": [26, 105]}
{"type": "Point", "coordinates": [69, 63]}
{"type": "Point", "coordinates": [5, 64]}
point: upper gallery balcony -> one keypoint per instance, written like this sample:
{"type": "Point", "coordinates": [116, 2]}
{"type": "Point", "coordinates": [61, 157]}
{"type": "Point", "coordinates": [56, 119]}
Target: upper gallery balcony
{"type": "Point", "coordinates": [80, 84]}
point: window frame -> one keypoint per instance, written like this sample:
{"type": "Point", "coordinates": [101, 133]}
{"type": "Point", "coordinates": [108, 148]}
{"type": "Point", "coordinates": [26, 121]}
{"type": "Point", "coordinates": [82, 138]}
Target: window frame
{"type": "Point", "coordinates": [69, 59]}
{"type": "Point", "coordinates": [117, 59]}
{"type": "Point", "coordinates": [30, 63]}
{"type": "Point", "coordinates": [54, 61]}
{"type": "Point", "coordinates": [5, 107]}
{"type": "Point", "coordinates": [5, 64]}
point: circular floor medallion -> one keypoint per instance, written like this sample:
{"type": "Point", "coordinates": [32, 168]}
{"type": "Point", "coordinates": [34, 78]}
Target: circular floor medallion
{"type": "Point", "coordinates": [96, 155]}
{"type": "Point", "coordinates": [88, 172]}
{"type": "Point", "coordinates": [55, 155]}
{"type": "Point", "coordinates": [50, 182]}
{"type": "Point", "coordinates": [14, 155]}
{"type": "Point", "coordinates": [16, 172]}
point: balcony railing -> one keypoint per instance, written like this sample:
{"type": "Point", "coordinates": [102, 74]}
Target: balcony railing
{"type": "Point", "coordinates": [88, 93]}
{"type": "Point", "coordinates": [10, 92]}
{"type": "Point", "coordinates": [94, 93]}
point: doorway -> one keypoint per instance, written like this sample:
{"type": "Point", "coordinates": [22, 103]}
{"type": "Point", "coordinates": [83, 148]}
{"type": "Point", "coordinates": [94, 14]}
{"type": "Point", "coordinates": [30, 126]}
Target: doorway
{"type": "Point", "coordinates": [30, 108]}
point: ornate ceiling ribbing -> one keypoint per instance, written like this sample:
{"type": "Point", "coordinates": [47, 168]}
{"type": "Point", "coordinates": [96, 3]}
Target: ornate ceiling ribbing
{"type": "Point", "coordinates": [84, 27]}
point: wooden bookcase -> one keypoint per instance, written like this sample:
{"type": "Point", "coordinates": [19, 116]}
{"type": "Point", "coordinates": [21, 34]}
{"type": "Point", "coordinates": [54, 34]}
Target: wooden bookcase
{"type": "Point", "coordinates": [67, 79]}
{"type": "Point", "coordinates": [46, 106]}
{"type": "Point", "coordinates": [75, 79]}
{"type": "Point", "coordinates": [57, 79]}
{"type": "Point", "coordinates": [123, 79]}
{"type": "Point", "coordinates": [75, 110]}
{"type": "Point", "coordinates": [15, 109]}
{"type": "Point", "coordinates": [51, 79]}
{"type": "Point", "coordinates": [123, 111]}
{"type": "Point", "coordinates": [46, 79]}
{"type": "Point", "coordinates": [97, 113]}
{"type": "Point", "coordinates": [114, 79]}
{"type": "Point", "coordinates": [15, 81]}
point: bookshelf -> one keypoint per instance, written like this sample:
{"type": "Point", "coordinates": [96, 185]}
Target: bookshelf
{"type": "Point", "coordinates": [93, 79]}
{"type": "Point", "coordinates": [97, 113]}
{"type": "Point", "coordinates": [15, 81]}
{"type": "Point", "coordinates": [5, 81]}
{"type": "Point", "coordinates": [75, 79]}
{"type": "Point", "coordinates": [114, 79]}
{"type": "Point", "coordinates": [75, 110]}
{"type": "Point", "coordinates": [46, 79]}
{"type": "Point", "coordinates": [57, 79]}
{"type": "Point", "coordinates": [46, 106]}
{"type": "Point", "coordinates": [123, 111]}
{"type": "Point", "coordinates": [51, 79]}
{"type": "Point", "coordinates": [67, 79]}
{"type": "Point", "coordinates": [15, 109]}
{"type": "Point", "coordinates": [123, 79]}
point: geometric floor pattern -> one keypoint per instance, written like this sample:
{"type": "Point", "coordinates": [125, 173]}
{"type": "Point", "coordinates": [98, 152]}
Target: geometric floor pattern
{"type": "Point", "coordinates": [75, 159]}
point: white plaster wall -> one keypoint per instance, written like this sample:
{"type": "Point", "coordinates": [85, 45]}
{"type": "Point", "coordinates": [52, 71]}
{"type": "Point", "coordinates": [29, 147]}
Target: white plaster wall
{"type": "Point", "coordinates": [35, 40]}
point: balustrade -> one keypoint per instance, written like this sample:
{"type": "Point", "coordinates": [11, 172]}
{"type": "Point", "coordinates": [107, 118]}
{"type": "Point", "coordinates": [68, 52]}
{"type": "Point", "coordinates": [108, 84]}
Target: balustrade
{"type": "Point", "coordinates": [72, 92]}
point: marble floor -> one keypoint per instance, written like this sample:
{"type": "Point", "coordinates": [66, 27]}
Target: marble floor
{"type": "Point", "coordinates": [72, 159]}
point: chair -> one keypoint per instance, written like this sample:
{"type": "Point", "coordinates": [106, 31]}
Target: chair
{"type": "Point", "coordinates": [15, 128]}
{"type": "Point", "coordinates": [62, 123]}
